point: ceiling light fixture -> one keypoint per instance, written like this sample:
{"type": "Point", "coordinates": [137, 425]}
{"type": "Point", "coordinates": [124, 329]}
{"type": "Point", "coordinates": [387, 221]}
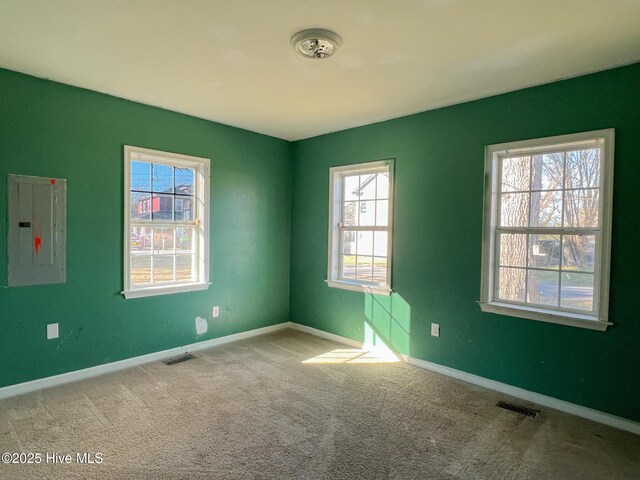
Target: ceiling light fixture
{"type": "Point", "coordinates": [316, 43]}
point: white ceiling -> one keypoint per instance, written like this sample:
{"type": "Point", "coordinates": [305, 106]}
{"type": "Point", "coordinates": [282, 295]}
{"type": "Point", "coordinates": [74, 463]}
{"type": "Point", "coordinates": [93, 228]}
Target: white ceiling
{"type": "Point", "coordinates": [231, 60]}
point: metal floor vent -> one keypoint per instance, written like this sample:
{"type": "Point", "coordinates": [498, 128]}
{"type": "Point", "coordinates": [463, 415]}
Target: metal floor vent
{"type": "Point", "coordinates": [529, 412]}
{"type": "Point", "coordinates": [180, 359]}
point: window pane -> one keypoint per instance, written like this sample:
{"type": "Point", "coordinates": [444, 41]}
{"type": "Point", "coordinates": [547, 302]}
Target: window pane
{"type": "Point", "coordinates": [349, 242]}
{"type": "Point", "coordinates": [545, 226]}
{"type": "Point", "coordinates": [365, 269]}
{"type": "Point", "coordinates": [546, 209]}
{"type": "Point", "coordinates": [162, 178]}
{"type": "Point", "coordinates": [140, 206]}
{"type": "Point", "coordinates": [185, 268]}
{"type": "Point", "coordinates": [141, 176]}
{"type": "Point", "coordinates": [183, 208]}
{"type": "Point", "coordinates": [348, 267]}
{"type": "Point", "coordinates": [513, 250]}
{"type": "Point", "coordinates": [162, 207]}
{"type": "Point", "coordinates": [542, 287]}
{"type": "Point", "coordinates": [578, 252]}
{"type": "Point", "coordinates": [185, 240]}
{"type": "Point", "coordinates": [365, 243]}
{"type": "Point", "coordinates": [382, 213]}
{"type": "Point", "coordinates": [162, 268]}
{"type": "Point", "coordinates": [350, 214]}
{"type": "Point", "coordinates": [185, 180]}
{"type": "Point", "coordinates": [380, 270]}
{"type": "Point", "coordinates": [511, 284]}
{"type": "Point", "coordinates": [163, 240]}
{"type": "Point", "coordinates": [139, 240]}
{"type": "Point", "coordinates": [164, 233]}
{"type": "Point", "coordinates": [547, 171]}
{"type": "Point", "coordinates": [515, 174]}
{"type": "Point", "coordinates": [367, 187]}
{"type": "Point", "coordinates": [380, 244]}
{"type": "Point", "coordinates": [581, 208]}
{"type": "Point", "coordinates": [583, 168]}
{"type": "Point", "coordinates": [515, 210]}
{"type": "Point", "coordinates": [576, 291]}
{"type": "Point", "coordinates": [382, 185]}
{"type": "Point", "coordinates": [140, 269]}
{"type": "Point", "coordinates": [544, 251]}
{"type": "Point", "coordinates": [367, 213]}
{"type": "Point", "coordinates": [351, 187]}
{"type": "Point", "coordinates": [363, 198]}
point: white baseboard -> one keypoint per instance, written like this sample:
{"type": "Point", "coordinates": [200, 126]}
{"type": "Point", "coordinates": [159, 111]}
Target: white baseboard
{"type": "Point", "coordinates": [572, 408]}
{"type": "Point", "coordinates": [540, 399]}
{"type": "Point", "coordinates": [327, 335]}
{"type": "Point", "coordinates": [90, 372]}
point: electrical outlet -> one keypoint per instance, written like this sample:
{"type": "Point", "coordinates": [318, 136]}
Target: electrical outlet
{"type": "Point", "coordinates": [52, 331]}
{"type": "Point", "coordinates": [215, 312]}
{"type": "Point", "coordinates": [435, 329]}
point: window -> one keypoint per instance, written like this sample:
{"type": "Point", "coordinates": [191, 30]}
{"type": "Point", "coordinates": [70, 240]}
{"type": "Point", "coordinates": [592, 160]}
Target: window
{"type": "Point", "coordinates": [547, 229]}
{"type": "Point", "coordinates": [166, 223]}
{"type": "Point", "coordinates": [360, 226]}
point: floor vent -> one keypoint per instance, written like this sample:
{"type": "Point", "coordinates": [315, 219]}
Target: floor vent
{"type": "Point", "coordinates": [180, 359]}
{"type": "Point", "coordinates": [529, 412]}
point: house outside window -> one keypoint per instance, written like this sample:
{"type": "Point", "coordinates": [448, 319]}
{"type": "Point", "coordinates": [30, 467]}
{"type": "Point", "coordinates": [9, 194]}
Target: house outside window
{"type": "Point", "coordinates": [360, 227]}
{"type": "Point", "coordinates": [166, 223]}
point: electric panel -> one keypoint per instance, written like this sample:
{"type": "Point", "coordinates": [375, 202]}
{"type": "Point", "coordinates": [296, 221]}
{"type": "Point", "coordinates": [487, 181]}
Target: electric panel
{"type": "Point", "coordinates": [37, 230]}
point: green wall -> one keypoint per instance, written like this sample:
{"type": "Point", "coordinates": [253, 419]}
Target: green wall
{"type": "Point", "coordinates": [269, 202]}
{"type": "Point", "coordinates": [49, 129]}
{"type": "Point", "coordinates": [437, 242]}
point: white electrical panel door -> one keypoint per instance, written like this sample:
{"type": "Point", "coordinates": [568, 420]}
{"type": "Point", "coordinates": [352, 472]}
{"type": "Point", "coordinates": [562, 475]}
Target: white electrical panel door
{"type": "Point", "coordinates": [37, 230]}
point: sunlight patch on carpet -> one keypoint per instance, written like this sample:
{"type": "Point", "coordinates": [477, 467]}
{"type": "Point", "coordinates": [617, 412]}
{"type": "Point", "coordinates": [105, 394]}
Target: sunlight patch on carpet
{"type": "Point", "coordinates": [354, 355]}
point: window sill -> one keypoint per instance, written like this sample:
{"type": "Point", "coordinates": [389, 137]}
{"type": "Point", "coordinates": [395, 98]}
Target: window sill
{"type": "Point", "coordinates": [572, 319]}
{"type": "Point", "coordinates": [165, 290]}
{"type": "Point", "coordinates": [360, 287]}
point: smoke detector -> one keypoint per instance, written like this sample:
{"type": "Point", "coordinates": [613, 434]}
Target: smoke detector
{"type": "Point", "coordinates": [316, 43]}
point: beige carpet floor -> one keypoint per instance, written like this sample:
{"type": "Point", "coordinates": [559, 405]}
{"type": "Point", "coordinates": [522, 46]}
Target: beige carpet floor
{"type": "Point", "coordinates": [289, 405]}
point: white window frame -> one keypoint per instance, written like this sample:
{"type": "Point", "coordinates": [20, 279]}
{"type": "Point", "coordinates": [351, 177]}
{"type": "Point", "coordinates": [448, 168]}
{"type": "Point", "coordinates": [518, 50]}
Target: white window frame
{"type": "Point", "coordinates": [493, 154]}
{"type": "Point", "coordinates": [336, 200]}
{"type": "Point", "coordinates": [200, 222]}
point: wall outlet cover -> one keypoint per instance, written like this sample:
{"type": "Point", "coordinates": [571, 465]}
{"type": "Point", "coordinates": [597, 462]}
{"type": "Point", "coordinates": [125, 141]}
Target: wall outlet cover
{"type": "Point", "coordinates": [52, 331]}
{"type": "Point", "coordinates": [201, 325]}
{"type": "Point", "coordinates": [215, 311]}
{"type": "Point", "coordinates": [435, 329]}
